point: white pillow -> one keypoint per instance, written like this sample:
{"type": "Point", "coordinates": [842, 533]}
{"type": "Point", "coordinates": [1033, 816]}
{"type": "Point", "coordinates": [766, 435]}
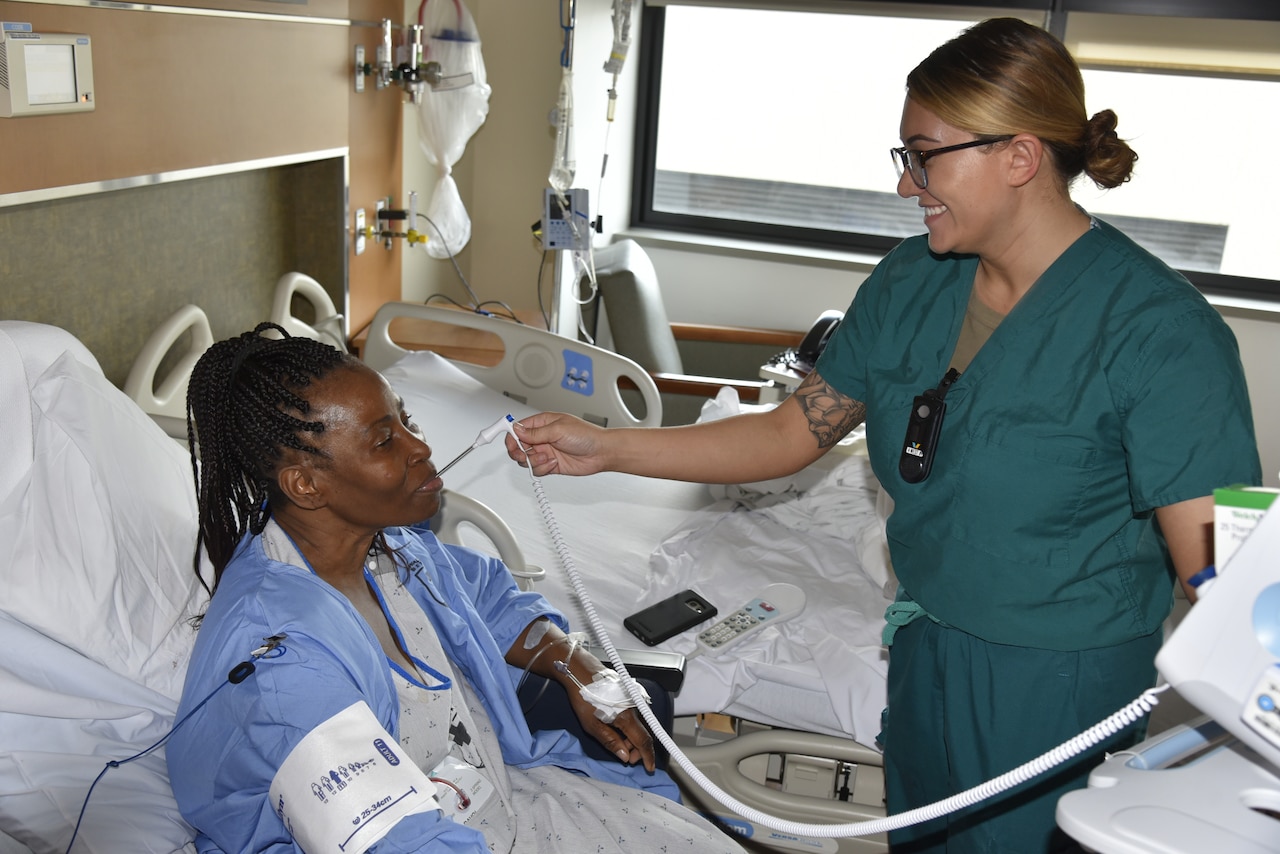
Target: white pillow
{"type": "Point", "coordinates": [102, 531]}
{"type": "Point", "coordinates": [98, 517]}
{"type": "Point", "coordinates": [26, 350]}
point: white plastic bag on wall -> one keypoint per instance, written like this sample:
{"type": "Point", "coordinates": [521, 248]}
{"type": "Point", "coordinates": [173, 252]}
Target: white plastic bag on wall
{"type": "Point", "coordinates": [449, 114]}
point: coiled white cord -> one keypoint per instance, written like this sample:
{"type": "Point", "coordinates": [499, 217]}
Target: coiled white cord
{"type": "Point", "coordinates": [1089, 738]}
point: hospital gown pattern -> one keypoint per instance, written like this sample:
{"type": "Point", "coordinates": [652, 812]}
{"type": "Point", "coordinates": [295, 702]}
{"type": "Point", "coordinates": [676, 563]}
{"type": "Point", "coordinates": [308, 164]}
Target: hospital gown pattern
{"type": "Point", "coordinates": [543, 809]}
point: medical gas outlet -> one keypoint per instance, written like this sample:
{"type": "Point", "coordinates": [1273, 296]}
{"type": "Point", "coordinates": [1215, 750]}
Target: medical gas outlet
{"type": "Point", "coordinates": [411, 72]}
{"type": "Point", "coordinates": [389, 225]}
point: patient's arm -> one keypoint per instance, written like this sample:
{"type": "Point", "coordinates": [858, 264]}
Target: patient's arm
{"type": "Point", "coordinates": [1188, 530]}
{"type": "Point", "coordinates": [745, 448]}
{"type": "Point", "coordinates": [627, 737]}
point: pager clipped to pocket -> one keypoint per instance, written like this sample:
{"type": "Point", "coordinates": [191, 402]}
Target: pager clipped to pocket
{"type": "Point", "coordinates": [670, 617]}
{"type": "Point", "coordinates": [923, 429]}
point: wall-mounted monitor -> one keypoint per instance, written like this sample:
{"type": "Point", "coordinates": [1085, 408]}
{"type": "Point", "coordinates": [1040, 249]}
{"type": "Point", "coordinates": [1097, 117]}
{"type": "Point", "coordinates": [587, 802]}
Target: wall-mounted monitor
{"type": "Point", "coordinates": [43, 73]}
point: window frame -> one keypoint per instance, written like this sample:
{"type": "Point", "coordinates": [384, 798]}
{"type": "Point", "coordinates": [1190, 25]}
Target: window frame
{"type": "Point", "coordinates": [643, 215]}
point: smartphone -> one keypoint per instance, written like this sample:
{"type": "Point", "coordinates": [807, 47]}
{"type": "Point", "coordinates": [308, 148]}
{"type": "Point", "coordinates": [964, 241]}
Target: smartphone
{"type": "Point", "coordinates": [669, 617]}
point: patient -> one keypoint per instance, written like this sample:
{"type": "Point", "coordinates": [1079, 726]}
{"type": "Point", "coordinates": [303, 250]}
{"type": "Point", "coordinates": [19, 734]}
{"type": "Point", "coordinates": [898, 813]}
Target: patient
{"type": "Point", "coordinates": [341, 640]}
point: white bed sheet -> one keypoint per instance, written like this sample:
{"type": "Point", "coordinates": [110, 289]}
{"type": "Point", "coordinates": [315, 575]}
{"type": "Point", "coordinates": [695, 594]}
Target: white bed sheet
{"type": "Point", "coordinates": [636, 540]}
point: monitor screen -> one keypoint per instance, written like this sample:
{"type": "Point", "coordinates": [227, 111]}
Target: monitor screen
{"type": "Point", "coordinates": [51, 74]}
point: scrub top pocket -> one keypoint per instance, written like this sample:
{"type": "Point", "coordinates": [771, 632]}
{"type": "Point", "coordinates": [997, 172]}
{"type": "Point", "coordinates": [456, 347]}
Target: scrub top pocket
{"type": "Point", "coordinates": [1022, 497]}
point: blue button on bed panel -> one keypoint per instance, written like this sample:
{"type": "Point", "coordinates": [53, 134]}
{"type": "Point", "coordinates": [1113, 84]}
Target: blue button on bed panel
{"type": "Point", "coordinates": [579, 373]}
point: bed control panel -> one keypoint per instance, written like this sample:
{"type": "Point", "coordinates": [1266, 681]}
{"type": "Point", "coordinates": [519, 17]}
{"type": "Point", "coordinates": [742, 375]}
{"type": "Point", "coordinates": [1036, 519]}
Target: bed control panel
{"type": "Point", "coordinates": [776, 604]}
{"type": "Point", "coordinates": [578, 373]}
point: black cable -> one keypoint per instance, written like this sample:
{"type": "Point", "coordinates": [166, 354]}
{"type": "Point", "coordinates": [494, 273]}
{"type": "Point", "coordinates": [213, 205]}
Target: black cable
{"type": "Point", "coordinates": [476, 305]}
{"type": "Point", "coordinates": [546, 318]}
{"type": "Point", "coordinates": [475, 300]}
{"type": "Point", "coordinates": [448, 299]}
{"type": "Point", "coordinates": [239, 673]}
{"type": "Point", "coordinates": [507, 312]}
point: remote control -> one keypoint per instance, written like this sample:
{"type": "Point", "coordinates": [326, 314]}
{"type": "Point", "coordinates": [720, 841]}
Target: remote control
{"type": "Point", "coordinates": [777, 603]}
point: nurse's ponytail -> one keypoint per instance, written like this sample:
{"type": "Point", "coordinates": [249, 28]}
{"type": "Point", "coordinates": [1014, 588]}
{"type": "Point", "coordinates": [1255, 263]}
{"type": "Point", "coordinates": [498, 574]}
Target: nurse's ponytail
{"type": "Point", "coordinates": [1108, 158]}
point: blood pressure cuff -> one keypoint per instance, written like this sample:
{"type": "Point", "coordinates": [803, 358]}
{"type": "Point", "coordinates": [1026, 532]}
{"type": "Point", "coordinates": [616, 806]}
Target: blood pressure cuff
{"type": "Point", "coordinates": [346, 784]}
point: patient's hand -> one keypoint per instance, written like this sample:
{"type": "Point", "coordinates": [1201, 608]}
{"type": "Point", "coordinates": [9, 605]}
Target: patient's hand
{"type": "Point", "coordinates": [558, 444]}
{"type": "Point", "coordinates": [627, 737]}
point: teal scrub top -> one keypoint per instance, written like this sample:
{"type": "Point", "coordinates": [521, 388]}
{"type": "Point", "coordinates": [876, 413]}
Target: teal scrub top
{"type": "Point", "coordinates": [1112, 388]}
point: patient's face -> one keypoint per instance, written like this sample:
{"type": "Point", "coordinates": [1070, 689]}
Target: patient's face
{"type": "Point", "coordinates": [379, 471]}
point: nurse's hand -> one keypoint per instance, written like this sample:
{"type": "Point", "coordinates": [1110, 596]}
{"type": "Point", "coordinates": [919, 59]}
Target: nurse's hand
{"type": "Point", "coordinates": [558, 444]}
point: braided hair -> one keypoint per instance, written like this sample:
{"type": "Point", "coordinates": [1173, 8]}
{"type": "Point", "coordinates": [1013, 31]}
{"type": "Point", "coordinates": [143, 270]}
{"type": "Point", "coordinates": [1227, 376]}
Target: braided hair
{"type": "Point", "coordinates": [245, 405]}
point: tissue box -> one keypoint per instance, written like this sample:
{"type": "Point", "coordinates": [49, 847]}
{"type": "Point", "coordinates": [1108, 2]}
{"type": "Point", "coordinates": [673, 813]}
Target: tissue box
{"type": "Point", "coordinates": [1236, 510]}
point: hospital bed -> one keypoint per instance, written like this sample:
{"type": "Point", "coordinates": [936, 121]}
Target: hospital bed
{"type": "Point", "coordinates": [819, 677]}
{"type": "Point", "coordinates": [811, 689]}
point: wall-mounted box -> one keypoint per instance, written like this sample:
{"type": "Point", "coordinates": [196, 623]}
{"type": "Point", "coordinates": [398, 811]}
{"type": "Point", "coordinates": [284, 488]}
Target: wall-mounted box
{"type": "Point", "coordinates": [42, 73]}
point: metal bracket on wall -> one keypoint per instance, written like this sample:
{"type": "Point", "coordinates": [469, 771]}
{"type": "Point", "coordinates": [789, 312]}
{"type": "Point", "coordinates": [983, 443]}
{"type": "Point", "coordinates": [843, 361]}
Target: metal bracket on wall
{"type": "Point", "coordinates": [379, 205]}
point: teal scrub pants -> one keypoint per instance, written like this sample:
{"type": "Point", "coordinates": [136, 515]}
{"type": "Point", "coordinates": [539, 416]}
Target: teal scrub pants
{"type": "Point", "coordinates": [962, 711]}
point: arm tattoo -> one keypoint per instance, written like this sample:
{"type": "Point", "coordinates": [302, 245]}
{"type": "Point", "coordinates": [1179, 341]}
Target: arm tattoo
{"type": "Point", "coordinates": [831, 415]}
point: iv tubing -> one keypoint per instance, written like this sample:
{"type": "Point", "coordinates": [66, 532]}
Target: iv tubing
{"type": "Point", "coordinates": [1085, 740]}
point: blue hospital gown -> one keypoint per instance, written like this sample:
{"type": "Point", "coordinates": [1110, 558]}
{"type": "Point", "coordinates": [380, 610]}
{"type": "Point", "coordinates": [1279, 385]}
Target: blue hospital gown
{"type": "Point", "coordinates": [222, 761]}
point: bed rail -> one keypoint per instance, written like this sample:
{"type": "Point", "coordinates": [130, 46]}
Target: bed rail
{"type": "Point", "coordinates": [328, 323]}
{"type": "Point", "coordinates": [166, 402]}
{"type": "Point", "coordinates": [537, 367]}
{"type": "Point", "coordinates": [457, 512]}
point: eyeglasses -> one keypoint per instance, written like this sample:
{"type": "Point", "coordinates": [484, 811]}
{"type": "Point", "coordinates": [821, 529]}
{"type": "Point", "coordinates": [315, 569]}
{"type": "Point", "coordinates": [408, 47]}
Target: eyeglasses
{"type": "Point", "coordinates": [912, 161]}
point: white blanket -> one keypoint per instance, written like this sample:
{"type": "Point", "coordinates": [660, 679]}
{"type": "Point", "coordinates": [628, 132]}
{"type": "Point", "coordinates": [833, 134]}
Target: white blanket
{"type": "Point", "coordinates": [820, 540]}
{"type": "Point", "coordinates": [636, 540]}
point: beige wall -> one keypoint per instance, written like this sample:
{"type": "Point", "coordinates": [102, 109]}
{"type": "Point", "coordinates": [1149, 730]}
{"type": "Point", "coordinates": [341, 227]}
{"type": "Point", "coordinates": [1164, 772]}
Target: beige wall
{"type": "Point", "coordinates": [111, 267]}
{"type": "Point", "coordinates": [504, 170]}
{"type": "Point", "coordinates": [374, 136]}
{"type": "Point", "coordinates": [179, 91]}
{"type": "Point", "coordinates": [182, 92]}
{"type": "Point", "coordinates": [1258, 334]}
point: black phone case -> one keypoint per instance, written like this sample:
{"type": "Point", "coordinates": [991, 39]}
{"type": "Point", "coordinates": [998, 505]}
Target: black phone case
{"type": "Point", "coordinates": [669, 617]}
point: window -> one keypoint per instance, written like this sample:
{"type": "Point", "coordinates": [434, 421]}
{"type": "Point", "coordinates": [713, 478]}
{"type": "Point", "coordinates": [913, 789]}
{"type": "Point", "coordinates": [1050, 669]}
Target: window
{"type": "Point", "coordinates": [775, 125]}
{"type": "Point", "coordinates": [1191, 96]}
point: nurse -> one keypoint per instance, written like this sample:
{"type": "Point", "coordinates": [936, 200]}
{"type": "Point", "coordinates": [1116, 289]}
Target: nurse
{"type": "Point", "coordinates": [354, 681]}
{"type": "Point", "coordinates": [1093, 401]}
